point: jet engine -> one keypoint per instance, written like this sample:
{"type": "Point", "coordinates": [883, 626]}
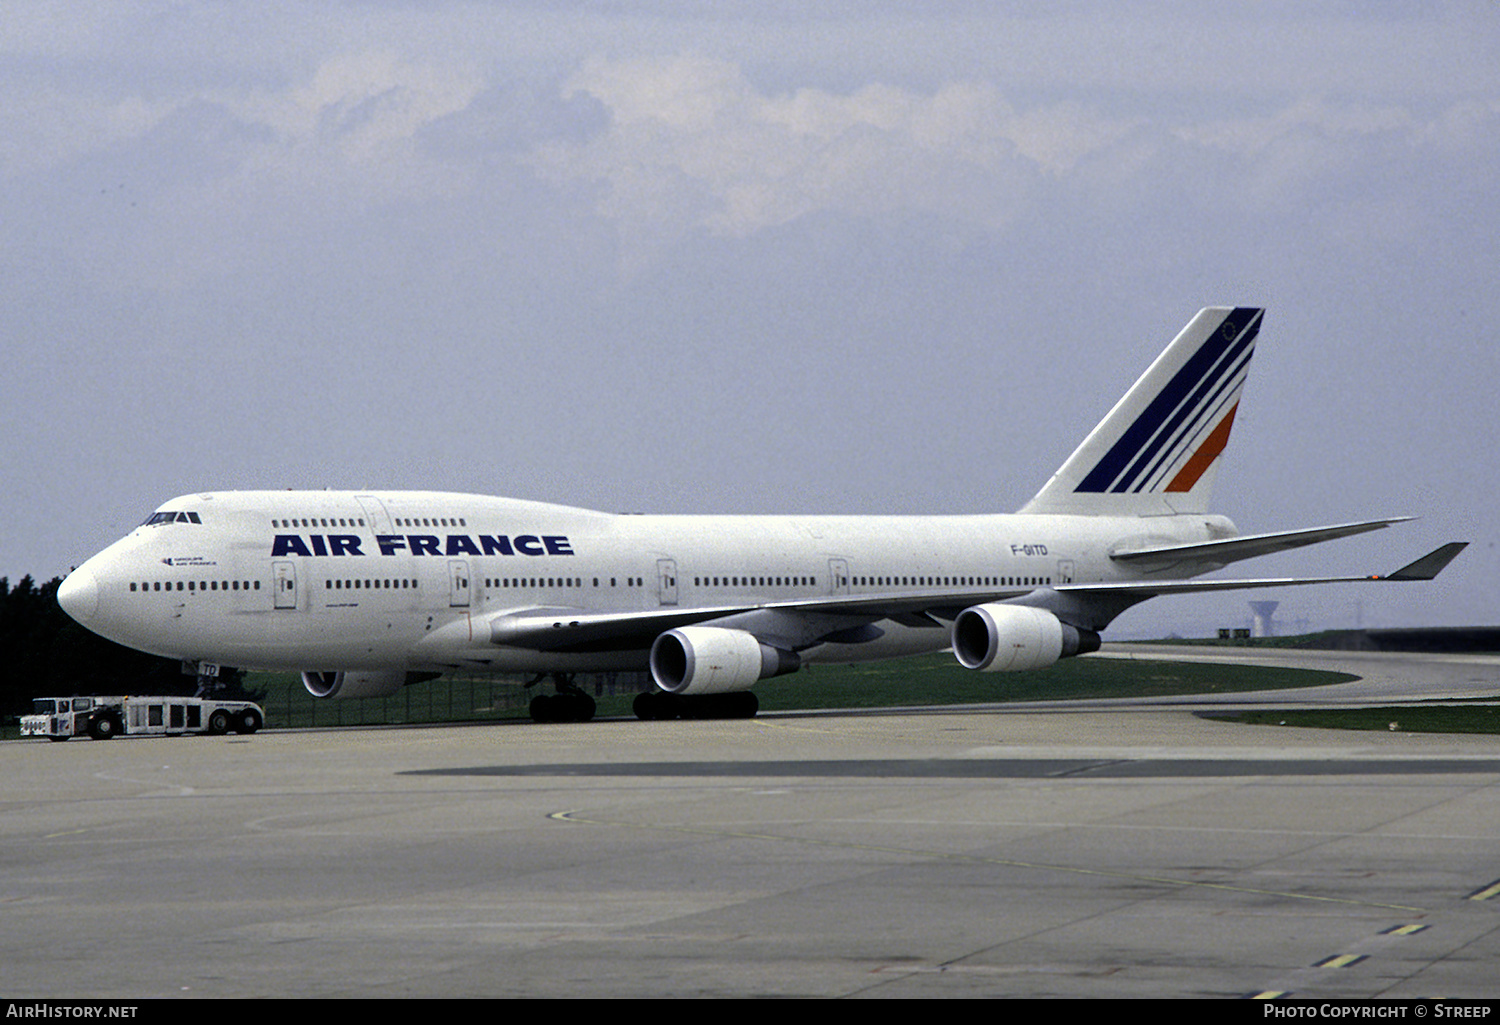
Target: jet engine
{"type": "Point", "coordinates": [356, 685]}
{"type": "Point", "coordinates": [997, 638]}
{"type": "Point", "coordinates": [714, 660]}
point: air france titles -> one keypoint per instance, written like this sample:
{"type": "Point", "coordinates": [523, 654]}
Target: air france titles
{"type": "Point", "coordinates": [423, 544]}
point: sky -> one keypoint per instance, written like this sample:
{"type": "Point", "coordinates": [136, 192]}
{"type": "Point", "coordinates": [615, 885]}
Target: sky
{"type": "Point", "coordinates": [763, 257]}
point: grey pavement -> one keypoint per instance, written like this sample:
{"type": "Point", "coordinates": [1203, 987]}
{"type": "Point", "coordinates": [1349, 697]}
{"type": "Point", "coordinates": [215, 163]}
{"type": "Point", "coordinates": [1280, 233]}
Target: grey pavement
{"type": "Point", "coordinates": [1122, 851]}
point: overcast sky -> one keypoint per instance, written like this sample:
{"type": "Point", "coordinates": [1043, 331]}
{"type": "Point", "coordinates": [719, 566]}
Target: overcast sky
{"type": "Point", "coordinates": [760, 257]}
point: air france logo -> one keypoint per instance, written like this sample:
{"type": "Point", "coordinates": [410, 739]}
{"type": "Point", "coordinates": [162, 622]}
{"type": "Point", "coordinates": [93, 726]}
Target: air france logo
{"type": "Point", "coordinates": [423, 544]}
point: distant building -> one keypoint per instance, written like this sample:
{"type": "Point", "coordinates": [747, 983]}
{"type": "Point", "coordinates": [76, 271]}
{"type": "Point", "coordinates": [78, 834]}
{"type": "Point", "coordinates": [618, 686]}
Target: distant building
{"type": "Point", "coordinates": [1262, 625]}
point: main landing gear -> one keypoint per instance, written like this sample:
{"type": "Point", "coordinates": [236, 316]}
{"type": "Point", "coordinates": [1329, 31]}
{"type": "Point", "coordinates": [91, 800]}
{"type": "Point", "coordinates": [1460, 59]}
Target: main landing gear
{"type": "Point", "coordinates": [657, 705]}
{"type": "Point", "coordinates": [569, 704]}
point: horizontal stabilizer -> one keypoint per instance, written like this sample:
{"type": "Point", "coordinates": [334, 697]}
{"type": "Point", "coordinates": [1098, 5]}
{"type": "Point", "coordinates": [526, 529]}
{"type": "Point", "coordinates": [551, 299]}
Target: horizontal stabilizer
{"type": "Point", "coordinates": [1425, 568]}
{"type": "Point", "coordinates": [1431, 564]}
{"type": "Point", "coordinates": [1248, 546]}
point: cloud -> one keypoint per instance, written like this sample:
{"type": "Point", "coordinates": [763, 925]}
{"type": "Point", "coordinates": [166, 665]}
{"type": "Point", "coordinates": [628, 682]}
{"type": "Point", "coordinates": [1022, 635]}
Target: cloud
{"type": "Point", "coordinates": [362, 111]}
{"type": "Point", "coordinates": [206, 174]}
{"type": "Point", "coordinates": [691, 144]}
{"type": "Point", "coordinates": [364, 105]}
{"type": "Point", "coordinates": [658, 148]}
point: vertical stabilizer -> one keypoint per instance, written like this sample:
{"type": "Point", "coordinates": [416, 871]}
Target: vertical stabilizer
{"type": "Point", "coordinates": [1156, 452]}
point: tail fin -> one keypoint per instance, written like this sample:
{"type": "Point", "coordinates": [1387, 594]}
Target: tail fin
{"type": "Point", "coordinates": [1156, 452]}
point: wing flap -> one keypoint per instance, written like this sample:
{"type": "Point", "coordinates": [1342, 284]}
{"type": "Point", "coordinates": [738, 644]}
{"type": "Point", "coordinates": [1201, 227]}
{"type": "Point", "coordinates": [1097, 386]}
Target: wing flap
{"type": "Point", "coordinates": [570, 629]}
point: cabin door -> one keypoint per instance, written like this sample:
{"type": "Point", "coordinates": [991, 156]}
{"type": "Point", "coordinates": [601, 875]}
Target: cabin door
{"type": "Point", "coordinates": [666, 580]}
{"type": "Point", "coordinates": [838, 576]}
{"type": "Point", "coordinates": [458, 583]}
{"type": "Point", "coordinates": [284, 580]}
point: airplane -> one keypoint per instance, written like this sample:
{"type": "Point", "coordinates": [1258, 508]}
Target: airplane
{"type": "Point", "coordinates": [366, 591]}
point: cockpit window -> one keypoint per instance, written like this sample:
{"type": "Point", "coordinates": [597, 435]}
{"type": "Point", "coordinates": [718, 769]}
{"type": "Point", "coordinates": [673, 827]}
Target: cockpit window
{"type": "Point", "coordinates": [158, 518]}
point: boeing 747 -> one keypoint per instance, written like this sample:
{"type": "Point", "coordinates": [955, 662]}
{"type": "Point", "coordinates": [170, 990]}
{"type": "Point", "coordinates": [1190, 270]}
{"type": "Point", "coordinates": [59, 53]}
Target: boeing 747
{"type": "Point", "coordinates": [366, 591]}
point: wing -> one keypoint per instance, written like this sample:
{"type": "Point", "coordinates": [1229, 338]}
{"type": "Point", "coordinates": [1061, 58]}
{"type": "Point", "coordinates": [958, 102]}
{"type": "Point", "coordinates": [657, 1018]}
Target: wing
{"type": "Point", "coordinates": [808, 621]}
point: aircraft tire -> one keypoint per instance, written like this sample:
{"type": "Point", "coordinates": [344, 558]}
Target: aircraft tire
{"type": "Point", "coordinates": [653, 707]}
{"type": "Point", "coordinates": [581, 706]}
{"type": "Point", "coordinates": [744, 705]}
{"type": "Point", "coordinates": [650, 706]}
{"type": "Point", "coordinates": [568, 707]}
{"type": "Point", "coordinates": [541, 709]}
{"type": "Point", "coordinates": [735, 705]}
{"type": "Point", "coordinates": [697, 707]}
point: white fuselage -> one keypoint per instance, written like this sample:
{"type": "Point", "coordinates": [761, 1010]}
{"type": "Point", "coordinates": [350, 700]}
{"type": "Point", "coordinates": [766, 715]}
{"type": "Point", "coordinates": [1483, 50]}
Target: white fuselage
{"type": "Point", "coordinates": [328, 580]}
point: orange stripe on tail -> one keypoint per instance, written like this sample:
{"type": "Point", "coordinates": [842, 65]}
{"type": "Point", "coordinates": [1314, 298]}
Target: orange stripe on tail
{"type": "Point", "coordinates": [1206, 454]}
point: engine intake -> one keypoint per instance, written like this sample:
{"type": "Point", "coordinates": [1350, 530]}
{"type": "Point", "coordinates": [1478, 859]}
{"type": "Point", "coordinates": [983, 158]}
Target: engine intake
{"type": "Point", "coordinates": [715, 660]}
{"type": "Point", "coordinates": [997, 638]}
{"type": "Point", "coordinates": [379, 684]}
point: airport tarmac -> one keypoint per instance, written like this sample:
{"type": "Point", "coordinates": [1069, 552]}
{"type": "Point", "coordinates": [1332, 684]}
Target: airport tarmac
{"type": "Point", "coordinates": [1111, 850]}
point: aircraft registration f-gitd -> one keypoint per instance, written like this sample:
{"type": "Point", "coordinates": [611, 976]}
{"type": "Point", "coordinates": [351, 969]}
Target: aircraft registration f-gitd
{"type": "Point", "coordinates": [366, 591]}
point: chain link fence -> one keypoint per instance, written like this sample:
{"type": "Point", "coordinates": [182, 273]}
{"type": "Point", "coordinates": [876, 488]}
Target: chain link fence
{"type": "Point", "coordinates": [446, 699]}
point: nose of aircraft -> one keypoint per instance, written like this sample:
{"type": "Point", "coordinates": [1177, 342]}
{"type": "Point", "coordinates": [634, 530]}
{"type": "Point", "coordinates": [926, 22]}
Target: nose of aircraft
{"type": "Point", "coordinates": [79, 595]}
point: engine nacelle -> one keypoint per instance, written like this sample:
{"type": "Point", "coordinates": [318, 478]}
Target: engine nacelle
{"type": "Point", "coordinates": [998, 638]}
{"type": "Point", "coordinates": [379, 684]}
{"type": "Point", "coordinates": [714, 660]}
